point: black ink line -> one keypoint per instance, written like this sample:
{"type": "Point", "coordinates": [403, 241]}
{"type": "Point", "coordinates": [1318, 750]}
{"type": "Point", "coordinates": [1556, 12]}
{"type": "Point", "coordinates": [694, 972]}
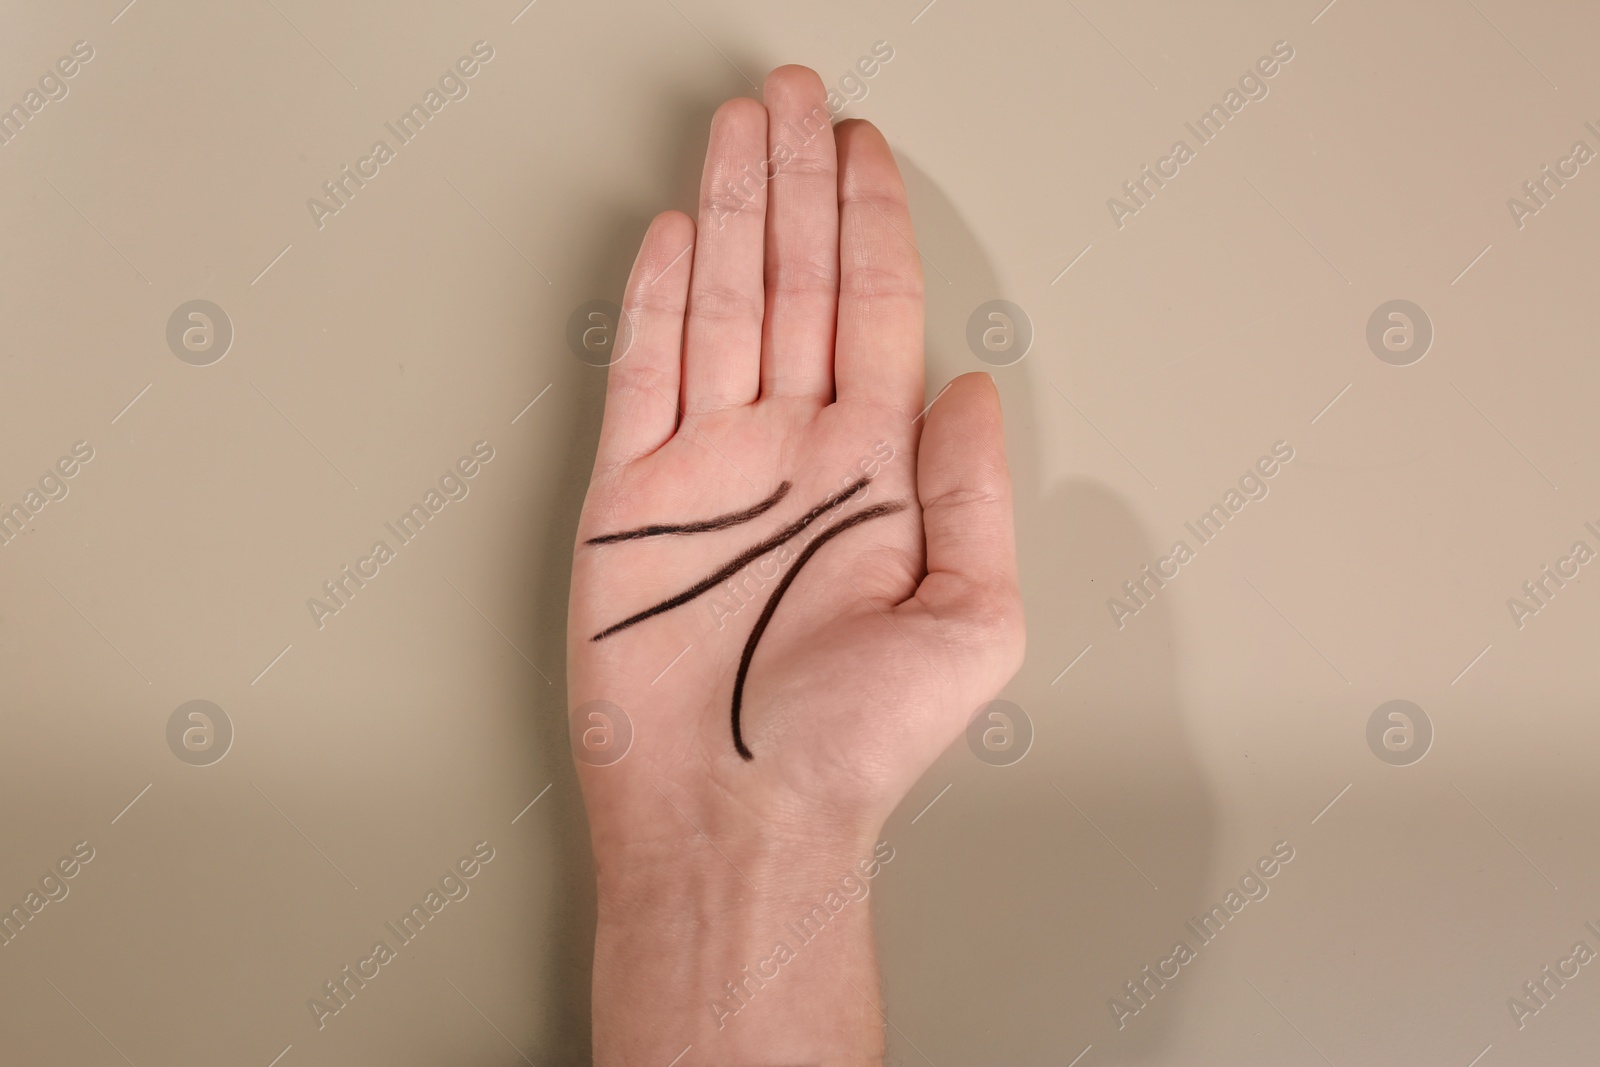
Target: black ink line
{"type": "Point", "coordinates": [864, 515]}
{"type": "Point", "coordinates": [739, 562]}
{"type": "Point", "coordinates": [721, 522]}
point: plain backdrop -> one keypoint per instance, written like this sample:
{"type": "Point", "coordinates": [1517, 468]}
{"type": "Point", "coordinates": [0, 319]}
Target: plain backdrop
{"type": "Point", "coordinates": [1171, 344]}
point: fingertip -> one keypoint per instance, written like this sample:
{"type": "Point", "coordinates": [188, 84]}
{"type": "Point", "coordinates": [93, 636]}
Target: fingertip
{"type": "Point", "coordinates": [742, 114]}
{"type": "Point", "coordinates": [668, 237]}
{"type": "Point", "coordinates": [973, 395]}
{"type": "Point", "coordinates": [868, 168]}
{"type": "Point", "coordinates": [980, 380]}
{"type": "Point", "coordinates": [792, 79]}
{"type": "Point", "coordinates": [856, 129]}
{"type": "Point", "coordinates": [965, 434]}
{"type": "Point", "coordinates": [674, 217]}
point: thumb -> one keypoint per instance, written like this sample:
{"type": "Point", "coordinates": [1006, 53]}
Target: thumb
{"type": "Point", "coordinates": [964, 487]}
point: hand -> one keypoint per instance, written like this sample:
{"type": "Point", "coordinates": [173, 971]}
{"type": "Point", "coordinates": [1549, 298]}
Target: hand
{"type": "Point", "coordinates": [779, 342]}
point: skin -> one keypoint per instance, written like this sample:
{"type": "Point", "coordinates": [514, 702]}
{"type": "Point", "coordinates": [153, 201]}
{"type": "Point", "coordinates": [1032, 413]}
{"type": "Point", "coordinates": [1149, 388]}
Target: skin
{"type": "Point", "coordinates": [683, 529]}
{"type": "Point", "coordinates": [778, 338]}
{"type": "Point", "coordinates": [730, 569]}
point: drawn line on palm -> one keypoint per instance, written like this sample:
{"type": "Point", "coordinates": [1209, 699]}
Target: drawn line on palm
{"type": "Point", "coordinates": [739, 562]}
{"type": "Point", "coordinates": [721, 522]}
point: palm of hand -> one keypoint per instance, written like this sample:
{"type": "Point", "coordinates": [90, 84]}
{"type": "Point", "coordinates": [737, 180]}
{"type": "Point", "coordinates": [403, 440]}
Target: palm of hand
{"type": "Point", "coordinates": [782, 343]}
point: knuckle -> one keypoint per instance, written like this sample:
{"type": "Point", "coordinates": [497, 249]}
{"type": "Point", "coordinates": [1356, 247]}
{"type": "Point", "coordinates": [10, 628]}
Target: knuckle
{"type": "Point", "coordinates": [803, 274]}
{"type": "Point", "coordinates": [990, 614]}
{"type": "Point", "coordinates": [643, 380]}
{"type": "Point", "coordinates": [995, 623]}
{"type": "Point", "coordinates": [725, 200]}
{"type": "Point", "coordinates": [806, 165]}
{"type": "Point", "coordinates": [650, 303]}
{"type": "Point", "coordinates": [873, 283]}
{"type": "Point", "coordinates": [724, 303]}
{"type": "Point", "coordinates": [961, 496]}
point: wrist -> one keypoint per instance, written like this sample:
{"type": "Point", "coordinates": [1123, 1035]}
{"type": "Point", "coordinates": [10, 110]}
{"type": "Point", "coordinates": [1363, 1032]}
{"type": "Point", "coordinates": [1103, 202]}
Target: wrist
{"type": "Point", "coordinates": [751, 948]}
{"type": "Point", "coordinates": [646, 816]}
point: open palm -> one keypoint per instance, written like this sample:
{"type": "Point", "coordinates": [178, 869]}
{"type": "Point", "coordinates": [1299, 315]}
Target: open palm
{"type": "Point", "coordinates": [771, 377]}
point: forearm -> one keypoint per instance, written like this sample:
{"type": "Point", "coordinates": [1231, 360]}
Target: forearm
{"type": "Point", "coordinates": [757, 950]}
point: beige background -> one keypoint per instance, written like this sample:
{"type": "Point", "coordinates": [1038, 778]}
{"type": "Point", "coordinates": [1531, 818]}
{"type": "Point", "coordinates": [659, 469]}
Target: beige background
{"type": "Point", "coordinates": [426, 716]}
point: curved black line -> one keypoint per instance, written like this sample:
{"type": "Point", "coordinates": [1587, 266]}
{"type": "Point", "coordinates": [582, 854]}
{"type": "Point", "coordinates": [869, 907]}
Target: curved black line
{"type": "Point", "coordinates": [721, 522]}
{"type": "Point", "coordinates": [739, 562]}
{"type": "Point", "coordinates": [864, 515]}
